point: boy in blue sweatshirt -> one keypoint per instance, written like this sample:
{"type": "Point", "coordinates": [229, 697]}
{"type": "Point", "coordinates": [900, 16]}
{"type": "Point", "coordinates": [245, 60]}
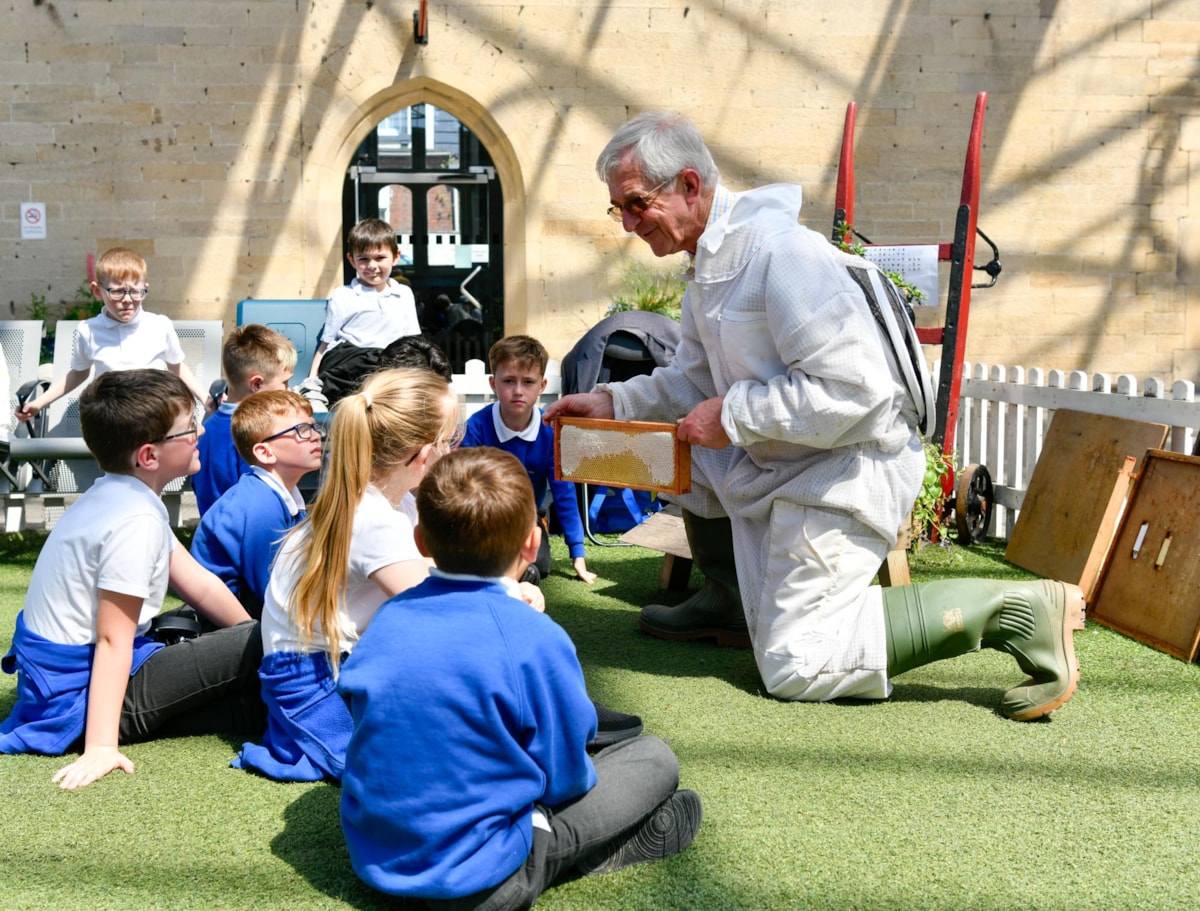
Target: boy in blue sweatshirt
{"type": "Point", "coordinates": [254, 358]}
{"type": "Point", "coordinates": [237, 538]}
{"type": "Point", "coordinates": [514, 423]}
{"type": "Point", "coordinates": [467, 778]}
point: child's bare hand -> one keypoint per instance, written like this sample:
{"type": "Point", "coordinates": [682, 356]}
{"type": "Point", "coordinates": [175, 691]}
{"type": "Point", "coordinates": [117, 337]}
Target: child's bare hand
{"type": "Point", "coordinates": [27, 412]}
{"type": "Point", "coordinates": [532, 595]}
{"type": "Point", "coordinates": [582, 571]}
{"type": "Point", "coordinates": [93, 765]}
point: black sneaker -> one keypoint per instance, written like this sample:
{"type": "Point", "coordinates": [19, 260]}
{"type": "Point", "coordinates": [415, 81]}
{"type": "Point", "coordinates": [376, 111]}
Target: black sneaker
{"type": "Point", "coordinates": [667, 831]}
{"type": "Point", "coordinates": [613, 727]}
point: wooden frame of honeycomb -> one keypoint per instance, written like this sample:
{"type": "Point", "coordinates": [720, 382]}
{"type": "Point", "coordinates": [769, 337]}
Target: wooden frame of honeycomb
{"type": "Point", "coordinates": [640, 454]}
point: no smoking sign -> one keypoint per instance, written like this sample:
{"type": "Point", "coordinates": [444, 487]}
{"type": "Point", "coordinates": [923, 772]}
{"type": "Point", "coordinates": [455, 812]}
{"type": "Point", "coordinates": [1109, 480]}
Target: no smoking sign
{"type": "Point", "coordinates": [33, 221]}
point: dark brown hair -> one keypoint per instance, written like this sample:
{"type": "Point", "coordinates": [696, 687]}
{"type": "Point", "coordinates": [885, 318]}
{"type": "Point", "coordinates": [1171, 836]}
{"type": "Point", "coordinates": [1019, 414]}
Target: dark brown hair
{"type": "Point", "coordinates": [371, 233]}
{"type": "Point", "coordinates": [122, 410]}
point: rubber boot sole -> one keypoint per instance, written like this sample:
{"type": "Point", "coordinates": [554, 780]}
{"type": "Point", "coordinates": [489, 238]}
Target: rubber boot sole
{"type": "Point", "coordinates": [725, 638]}
{"type": "Point", "coordinates": [1074, 609]}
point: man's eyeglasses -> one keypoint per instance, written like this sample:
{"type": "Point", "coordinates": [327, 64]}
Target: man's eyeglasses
{"type": "Point", "coordinates": [134, 294]}
{"type": "Point", "coordinates": [193, 430]}
{"type": "Point", "coordinates": [303, 432]}
{"type": "Point", "coordinates": [639, 204]}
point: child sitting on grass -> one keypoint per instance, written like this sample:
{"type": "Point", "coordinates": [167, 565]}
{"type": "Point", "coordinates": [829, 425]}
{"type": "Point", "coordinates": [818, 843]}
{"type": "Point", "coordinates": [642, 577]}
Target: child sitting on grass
{"type": "Point", "coordinates": [237, 539]}
{"type": "Point", "coordinates": [85, 665]}
{"type": "Point", "coordinates": [514, 423]}
{"type": "Point", "coordinates": [352, 552]}
{"type": "Point", "coordinates": [467, 778]}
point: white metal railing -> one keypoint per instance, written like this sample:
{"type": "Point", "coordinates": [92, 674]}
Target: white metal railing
{"type": "Point", "coordinates": [1004, 413]}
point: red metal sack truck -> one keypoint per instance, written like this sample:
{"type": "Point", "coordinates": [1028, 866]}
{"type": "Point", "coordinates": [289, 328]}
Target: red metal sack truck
{"type": "Point", "coordinates": [970, 495]}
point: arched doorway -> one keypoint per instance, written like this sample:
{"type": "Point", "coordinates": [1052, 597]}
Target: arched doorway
{"type": "Point", "coordinates": [425, 173]}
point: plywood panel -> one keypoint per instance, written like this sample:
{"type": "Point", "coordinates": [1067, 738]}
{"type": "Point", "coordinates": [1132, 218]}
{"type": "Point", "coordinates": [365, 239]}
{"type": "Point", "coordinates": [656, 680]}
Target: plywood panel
{"type": "Point", "coordinates": [1150, 585]}
{"type": "Point", "coordinates": [664, 531]}
{"type": "Point", "coordinates": [1067, 520]}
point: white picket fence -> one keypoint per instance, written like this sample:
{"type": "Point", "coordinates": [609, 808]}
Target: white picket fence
{"type": "Point", "coordinates": [1003, 416]}
{"type": "Point", "coordinates": [1004, 413]}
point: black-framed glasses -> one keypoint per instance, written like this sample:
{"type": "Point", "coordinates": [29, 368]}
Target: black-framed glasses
{"type": "Point", "coordinates": [304, 432]}
{"type": "Point", "coordinates": [639, 204]}
{"type": "Point", "coordinates": [193, 430]}
{"type": "Point", "coordinates": [134, 294]}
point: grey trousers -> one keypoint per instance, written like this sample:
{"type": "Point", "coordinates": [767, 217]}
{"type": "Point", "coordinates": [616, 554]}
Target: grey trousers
{"type": "Point", "coordinates": [633, 778]}
{"type": "Point", "coordinates": [204, 685]}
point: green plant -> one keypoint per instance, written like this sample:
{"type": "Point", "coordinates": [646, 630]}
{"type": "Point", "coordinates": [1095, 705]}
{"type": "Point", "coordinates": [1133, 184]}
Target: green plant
{"type": "Point", "coordinates": [849, 244]}
{"type": "Point", "coordinates": [38, 308]}
{"type": "Point", "coordinates": [643, 287]}
{"type": "Point", "coordinates": [929, 512]}
{"type": "Point", "coordinates": [82, 305]}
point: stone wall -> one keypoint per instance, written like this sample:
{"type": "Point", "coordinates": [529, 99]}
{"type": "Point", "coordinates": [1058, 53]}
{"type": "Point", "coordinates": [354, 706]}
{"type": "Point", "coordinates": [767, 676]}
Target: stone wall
{"type": "Point", "coordinates": [213, 136]}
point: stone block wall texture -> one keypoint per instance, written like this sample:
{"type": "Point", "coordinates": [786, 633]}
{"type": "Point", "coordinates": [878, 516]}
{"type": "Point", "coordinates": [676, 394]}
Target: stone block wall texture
{"type": "Point", "coordinates": [213, 137]}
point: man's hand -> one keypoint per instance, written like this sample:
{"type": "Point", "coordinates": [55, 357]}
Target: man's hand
{"type": "Point", "coordinates": [94, 764]}
{"type": "Point", "coordinates": [702, 426]}
{"type": "Point", "coordinates": [581, 405]}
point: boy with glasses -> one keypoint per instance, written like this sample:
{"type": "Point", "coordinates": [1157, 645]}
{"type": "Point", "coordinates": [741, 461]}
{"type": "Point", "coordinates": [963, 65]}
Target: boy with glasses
{"type": "Point", "coordinates": [122, 337]}
{"type": "Point", "coordinates": [275, 433]}
{"type": "Point", "coordinates": [254, 358]}
{"type": "Point", "coordinates": [88, 674]}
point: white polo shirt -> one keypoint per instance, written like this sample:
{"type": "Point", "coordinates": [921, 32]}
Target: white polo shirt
{"type": "Point", "coordinates": [147, 340]}
{"type": "Point", "coordinates": [116, 537]}
{"type": "Point", "coordinates": [368, 318]}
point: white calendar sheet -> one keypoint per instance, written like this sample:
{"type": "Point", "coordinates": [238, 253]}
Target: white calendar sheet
{"type": "Point", "coordinates": [917, 263]}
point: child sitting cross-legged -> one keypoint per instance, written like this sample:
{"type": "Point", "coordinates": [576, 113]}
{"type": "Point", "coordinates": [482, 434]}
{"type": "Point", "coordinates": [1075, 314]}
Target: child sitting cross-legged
{"type": "Point", "coordinates": [467, 778]}
{"type": "Point", "coordinates": [238, 537]}
{"type": "Point", "coordinates": [352, 552]}
{"type": "Point", "coordinates": [87, 673]}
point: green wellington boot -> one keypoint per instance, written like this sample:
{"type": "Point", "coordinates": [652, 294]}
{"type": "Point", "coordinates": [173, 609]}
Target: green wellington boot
{"type": "Point", "coordinates": [1032, 621]}
{"type": "Point", "coordinates": [715, 611]}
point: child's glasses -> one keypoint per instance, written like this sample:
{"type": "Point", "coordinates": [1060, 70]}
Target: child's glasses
{"type": "Point", "coordinates": [303, 432]}
{"type": "Point", "coordinates": [193, 430]}
{"type": "Point", "coordinates": [134, 294]}
{"type": "Point", "coordinates": [447, 445]}
{"type": "Point", "coordinates": [455, 439]}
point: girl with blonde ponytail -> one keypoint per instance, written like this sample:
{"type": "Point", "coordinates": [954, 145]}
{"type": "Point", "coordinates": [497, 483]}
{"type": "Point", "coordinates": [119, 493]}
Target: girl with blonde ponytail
{"type": "Point", "coordinates": [353, 551]}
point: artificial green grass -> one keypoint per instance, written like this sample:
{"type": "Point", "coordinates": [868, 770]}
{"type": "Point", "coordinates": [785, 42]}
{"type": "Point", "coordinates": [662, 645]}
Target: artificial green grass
{"type": "Point", "coordinates": [930, 800]}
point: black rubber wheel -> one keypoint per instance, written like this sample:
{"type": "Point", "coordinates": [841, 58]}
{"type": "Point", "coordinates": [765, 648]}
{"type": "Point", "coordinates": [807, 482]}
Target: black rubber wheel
{"type": "Point", "coordinates": [973, 504]}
